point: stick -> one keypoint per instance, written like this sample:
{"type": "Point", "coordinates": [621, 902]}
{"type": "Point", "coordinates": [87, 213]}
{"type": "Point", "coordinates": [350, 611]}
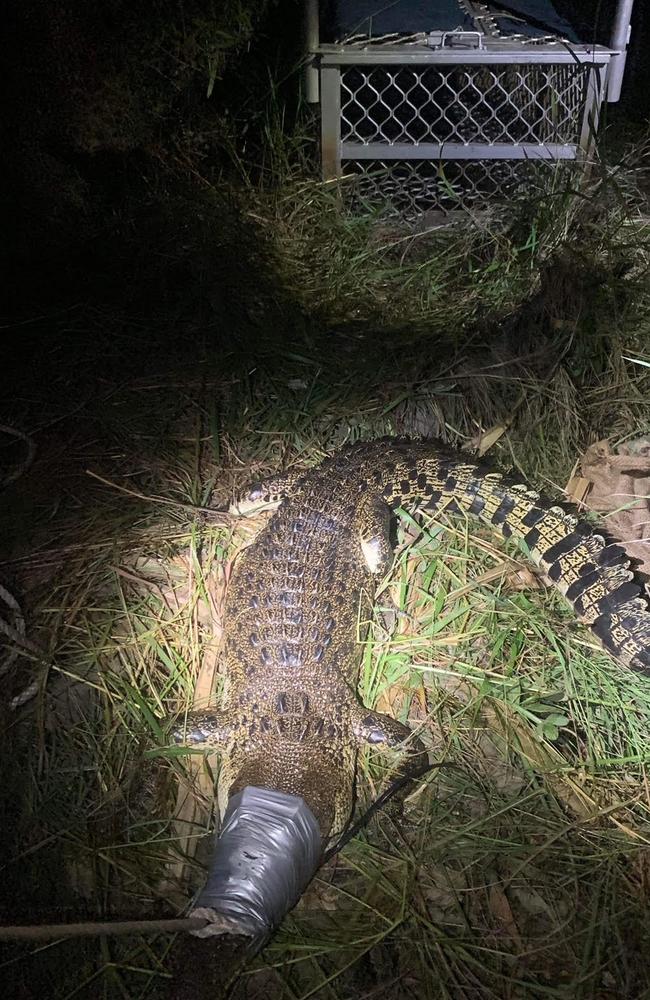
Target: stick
{"type": "Point", "coordinates": [46, 932]}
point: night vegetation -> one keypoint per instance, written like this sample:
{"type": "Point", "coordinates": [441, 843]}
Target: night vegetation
{"type": "Point", "coordinates": [186, 309]}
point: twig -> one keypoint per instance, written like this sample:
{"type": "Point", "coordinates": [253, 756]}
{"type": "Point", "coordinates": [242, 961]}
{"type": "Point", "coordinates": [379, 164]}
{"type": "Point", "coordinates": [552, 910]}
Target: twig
{"type": "Point", "coordinates": [110, 928]}
{"type": "Point", "coordinates": [215, 514]}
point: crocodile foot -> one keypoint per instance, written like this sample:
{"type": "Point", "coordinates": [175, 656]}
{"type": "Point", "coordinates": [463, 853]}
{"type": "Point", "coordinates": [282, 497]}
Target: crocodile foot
{"type": "Point", "coordinates": [207, 728]}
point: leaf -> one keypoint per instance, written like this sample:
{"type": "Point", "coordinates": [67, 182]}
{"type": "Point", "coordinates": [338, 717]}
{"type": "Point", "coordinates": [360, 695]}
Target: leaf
{"type": "Point", "coordinates": [490, 438]}
{"type": "Point", "coordinates": [558, 720]}
{"type": "Point", "coordinates": [502, 912]}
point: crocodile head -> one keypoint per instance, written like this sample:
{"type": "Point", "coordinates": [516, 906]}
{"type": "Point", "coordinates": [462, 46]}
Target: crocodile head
{"type": "Point", "coordinates": [282, 755]}
{"type": "Point", "coordinates": [286, 786]}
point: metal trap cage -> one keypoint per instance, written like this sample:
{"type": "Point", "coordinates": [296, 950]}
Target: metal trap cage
{"type": "Point", "coordinates": [483, 107]}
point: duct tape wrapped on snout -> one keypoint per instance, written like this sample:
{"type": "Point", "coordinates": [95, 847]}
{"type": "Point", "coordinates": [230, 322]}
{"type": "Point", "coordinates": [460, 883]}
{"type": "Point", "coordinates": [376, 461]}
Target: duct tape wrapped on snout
{"type": "Point", "coordinates": [264, 858]}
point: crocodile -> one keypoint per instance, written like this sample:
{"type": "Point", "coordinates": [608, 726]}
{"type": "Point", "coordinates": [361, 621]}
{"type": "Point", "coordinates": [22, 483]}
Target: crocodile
{"type": "Point", "coordinates": [291, 721]}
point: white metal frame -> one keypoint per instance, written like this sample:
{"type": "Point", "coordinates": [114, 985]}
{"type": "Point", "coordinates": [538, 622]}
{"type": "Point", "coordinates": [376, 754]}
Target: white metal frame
{"type": "Point", "coordinates": [335, 60]}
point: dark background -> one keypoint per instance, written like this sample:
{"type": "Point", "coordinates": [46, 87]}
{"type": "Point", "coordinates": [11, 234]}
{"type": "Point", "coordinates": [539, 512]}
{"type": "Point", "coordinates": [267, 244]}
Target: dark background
{"type": "Point", "coordinates": [107, 121]}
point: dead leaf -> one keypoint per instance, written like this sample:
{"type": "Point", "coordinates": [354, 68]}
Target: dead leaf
{"type": "Point", "coordinates": [619, 487]}
{"type": "Point", "coordinates": [523, 578]}
{"type": "Point", "coordinates": [490, 438]}
{"type": "Point", "coordinates": [502, 912]}
{"type": "Point", "coordinates": [391, 700]}
{"type": "Point", "coordinates": [577, 489]}
{"type": "Point", "coordinates": [481, 443]}
{"type": "Point", "coordinates": [517, 577]}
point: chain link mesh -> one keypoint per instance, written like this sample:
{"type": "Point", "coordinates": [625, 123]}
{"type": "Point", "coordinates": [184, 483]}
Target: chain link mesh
{"type": "Point", "coordinates": [463, 103]}
{"type": "Point", "coordinates": [409, 188]}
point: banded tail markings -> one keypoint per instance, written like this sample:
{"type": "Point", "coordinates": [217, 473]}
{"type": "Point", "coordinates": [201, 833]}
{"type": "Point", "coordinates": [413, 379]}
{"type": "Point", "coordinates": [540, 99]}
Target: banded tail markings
{"type": "Point", "coordinates": [593, 573]}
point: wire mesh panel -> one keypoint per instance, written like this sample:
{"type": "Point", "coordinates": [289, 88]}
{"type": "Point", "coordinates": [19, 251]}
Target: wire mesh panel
{"type": "Point", "coordinates": [408, 189]}
{"type": "Point", "coordinates": [463, 104]}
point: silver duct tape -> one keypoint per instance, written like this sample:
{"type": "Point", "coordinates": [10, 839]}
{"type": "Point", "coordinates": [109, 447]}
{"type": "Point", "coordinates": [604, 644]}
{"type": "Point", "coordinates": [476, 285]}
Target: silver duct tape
{"type": "Point", "coordinates": [264, 858]}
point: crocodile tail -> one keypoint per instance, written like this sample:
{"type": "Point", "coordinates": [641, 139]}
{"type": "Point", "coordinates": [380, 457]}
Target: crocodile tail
{"type": "Point", "coordinates": [592, 573]}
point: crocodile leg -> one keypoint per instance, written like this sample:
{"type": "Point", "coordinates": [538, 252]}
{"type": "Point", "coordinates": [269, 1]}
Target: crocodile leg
{"type": "Point", "coordinates": [373, 524]}
{"type": "Point", "coordinates": [384, 732]}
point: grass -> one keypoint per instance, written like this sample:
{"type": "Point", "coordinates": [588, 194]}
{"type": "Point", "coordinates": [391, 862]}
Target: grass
{"type": "Point", "coordinates": [519, 868]}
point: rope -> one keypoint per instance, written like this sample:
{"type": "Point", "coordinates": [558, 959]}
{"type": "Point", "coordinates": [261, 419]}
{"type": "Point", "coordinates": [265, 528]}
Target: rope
{"type": "Point", "coordinates": [381, 800]}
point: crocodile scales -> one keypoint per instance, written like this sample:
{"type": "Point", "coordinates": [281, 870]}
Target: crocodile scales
{"type": "Point", "coordinates": [291, 719]}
